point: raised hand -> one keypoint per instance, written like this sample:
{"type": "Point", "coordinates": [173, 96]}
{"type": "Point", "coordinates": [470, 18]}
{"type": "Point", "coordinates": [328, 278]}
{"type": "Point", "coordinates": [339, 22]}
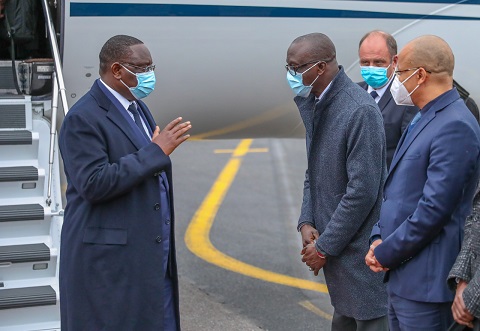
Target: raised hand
{"type": "Point", "coordinates": [173, 135]}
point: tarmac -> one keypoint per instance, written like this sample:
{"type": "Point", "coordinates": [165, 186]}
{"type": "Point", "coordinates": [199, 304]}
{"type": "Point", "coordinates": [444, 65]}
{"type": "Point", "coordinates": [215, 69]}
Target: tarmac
{"type": "Point", "coordinates": [200, 312]}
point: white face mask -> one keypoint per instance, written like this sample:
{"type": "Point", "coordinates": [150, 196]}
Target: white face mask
{"type": "Point", "coordinates": [400, 93]}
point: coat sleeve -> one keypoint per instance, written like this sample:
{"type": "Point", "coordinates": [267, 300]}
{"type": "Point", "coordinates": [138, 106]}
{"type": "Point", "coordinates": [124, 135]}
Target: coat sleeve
{"type": "Point", "coordinates": [365, 168]}
{"type": "Point", "coordinates": [452, 162]}
{"type": "Point", "coordinates": [306, 216]}
{"type": "Point", "coordinates": [85, 153]}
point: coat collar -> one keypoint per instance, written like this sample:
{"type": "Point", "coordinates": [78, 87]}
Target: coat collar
{"type": "Point", "coordinates": [439, 104]}
{"type": "Point", "coordinates": [116, 113]}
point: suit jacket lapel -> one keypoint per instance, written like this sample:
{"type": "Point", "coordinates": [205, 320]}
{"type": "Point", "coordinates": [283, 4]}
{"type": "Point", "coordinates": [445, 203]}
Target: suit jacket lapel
{"type": "Point", "coordinates": [386, 98]}
{"type": "Point", "coordinates": [406, 140]}
{"type": "Point", "coordinates": [115, 113]}
{"type": "Point", "coordinates": [443, 101]}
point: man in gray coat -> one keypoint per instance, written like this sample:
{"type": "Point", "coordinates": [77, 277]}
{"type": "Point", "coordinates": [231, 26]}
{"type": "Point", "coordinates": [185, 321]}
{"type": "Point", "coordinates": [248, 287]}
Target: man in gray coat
{"type": "Point", "coordinates": [464, 277]}
{"type": "Point", "coordinates": [343, 183]}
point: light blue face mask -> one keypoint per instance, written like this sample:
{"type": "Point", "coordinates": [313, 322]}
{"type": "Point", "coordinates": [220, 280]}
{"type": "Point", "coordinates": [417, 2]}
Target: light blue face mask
{"type": "Point", "coordinates": [296, 83]}
{"type": "Point", "coordinates": [376, 77]}
{"type": "Point", "coordinates": [145, 83]}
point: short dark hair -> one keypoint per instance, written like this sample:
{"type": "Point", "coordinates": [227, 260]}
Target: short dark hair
{"type": "Point", "coordinates": [320, 46]}
{"type": "Point", "coordinates": [390, 41]}
{"type": "Point", "coordinates": [116, 49]}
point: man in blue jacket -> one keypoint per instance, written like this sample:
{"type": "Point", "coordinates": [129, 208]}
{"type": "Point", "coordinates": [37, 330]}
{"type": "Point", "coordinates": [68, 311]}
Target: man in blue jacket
{"type": "Point", "coordinates": [428, 191]}
{"type": "Point", "coordinates": [117, 263]}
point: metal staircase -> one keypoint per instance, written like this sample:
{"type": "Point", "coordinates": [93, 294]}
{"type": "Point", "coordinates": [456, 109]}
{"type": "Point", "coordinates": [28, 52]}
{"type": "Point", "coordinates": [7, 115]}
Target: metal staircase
{"type": "Point", "coordinates": [29, 225]}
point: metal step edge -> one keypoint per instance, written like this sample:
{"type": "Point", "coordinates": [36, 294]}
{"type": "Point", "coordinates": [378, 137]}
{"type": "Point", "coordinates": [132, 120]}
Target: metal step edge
{"type": "Point", "coordinates": [18, 174]}
{"type": "Point", "coordinates": [24, 253]}
{"type": "Point", "coordinates": [27, 297]}
{"type": "Point", "coordinates": [16, 137]}
{"type": "Point", "coordinates": [26, 212]}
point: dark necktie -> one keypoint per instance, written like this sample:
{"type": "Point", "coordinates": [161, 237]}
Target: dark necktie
{"type": "Point", "coordinates": [374, 94]}
{"type": "Point", "coordinates": [414, 121]}
{"type": "Point", "coordinates": [136, 116]}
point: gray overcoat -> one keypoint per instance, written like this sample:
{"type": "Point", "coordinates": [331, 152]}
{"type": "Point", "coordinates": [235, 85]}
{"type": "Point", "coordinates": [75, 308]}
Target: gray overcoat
{"type": "Point", "coordinates": [343, 191]}
{"type": "Point", "coordinates": [467, 265]}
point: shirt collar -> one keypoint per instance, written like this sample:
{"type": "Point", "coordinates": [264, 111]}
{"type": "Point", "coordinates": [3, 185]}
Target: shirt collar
{"type": "Point", "coordinates": [125, 103]}
{"type": "Point", "coordinates": [381, 90]}
{"type": "Point", "coordinates": [323, 93]}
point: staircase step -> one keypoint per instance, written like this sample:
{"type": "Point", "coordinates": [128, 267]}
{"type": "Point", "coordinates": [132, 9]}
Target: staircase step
{"type": "Point", "coordinates": [24, 253]}
{"type": "Point", "coordinates": [18, 174]}
{"type": "Point", "coordinates": [13, 116]}
{"type": "Point", "coordinates": [25, 212]}
{"type": "Point", "coordinates": [27, 297]}
{"type": "Point", "coordinates": [16, 137]}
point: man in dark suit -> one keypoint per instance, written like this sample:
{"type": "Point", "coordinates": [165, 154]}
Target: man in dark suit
{"type": "Point", "coordinates": [117, 263]}
{"type": "Point", "coordinates": [428, 191]}
{"type": "Point", "coordinates": [377, 52]}
{"type": "Point", "coordinates": [343, 183]}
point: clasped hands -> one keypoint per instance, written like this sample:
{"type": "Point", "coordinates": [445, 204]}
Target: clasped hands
{"type": "Point", "coordinates": [309, 252]}
{"type": "Point", "coordinates": [371, 260]}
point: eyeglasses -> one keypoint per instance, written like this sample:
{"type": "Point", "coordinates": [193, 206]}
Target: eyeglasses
{"type": "Point", "coordinates": [142, 69]}
{"type": "Point", "coordinates": [398, 72]}
{"type": "Point", "coordinates": [293, 70]}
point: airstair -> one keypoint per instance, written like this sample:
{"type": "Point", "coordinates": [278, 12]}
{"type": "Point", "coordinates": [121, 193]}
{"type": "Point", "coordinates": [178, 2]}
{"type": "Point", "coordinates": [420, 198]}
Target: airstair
{"type": "Point", "coordinates": [31, 206]}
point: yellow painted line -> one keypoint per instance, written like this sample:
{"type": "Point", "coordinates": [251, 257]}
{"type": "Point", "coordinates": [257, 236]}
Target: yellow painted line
{"type": "Point", "coordinates": [314, 309]}
{"type": "Point", "coordinates": [251, 150]}
{"type": "Point", "coordinates": [197, 236]}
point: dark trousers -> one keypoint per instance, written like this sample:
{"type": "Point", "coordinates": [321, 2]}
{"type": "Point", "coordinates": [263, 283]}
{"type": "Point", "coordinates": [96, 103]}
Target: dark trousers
{"type": "Point", "coordinates": [408, 315]}
{"type": "Point", "coordinates": [170, 321]}
{"type": "Point", "coordinates": [344, 323]}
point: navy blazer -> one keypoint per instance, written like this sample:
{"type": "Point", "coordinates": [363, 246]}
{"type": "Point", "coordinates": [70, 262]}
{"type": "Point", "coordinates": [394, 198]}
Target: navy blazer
{"type": "Point", "coordinates": [395, 119]}
{"type": "Point", "coordinates": [427, 196]}
{"type": "Point", "coordinates": [111, 274]}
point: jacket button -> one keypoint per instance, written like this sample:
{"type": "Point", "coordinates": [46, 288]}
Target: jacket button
{"type": "Point", "coordinates": [156, 174]}
{"type": "Point", "coordinates": [167, 222]}
{"type": "Point", "coordinates": [384, 198]}
{"type": "Point", "coordinates": [157, 206]}
{"type": "Point", "coordinates": [158, 239]}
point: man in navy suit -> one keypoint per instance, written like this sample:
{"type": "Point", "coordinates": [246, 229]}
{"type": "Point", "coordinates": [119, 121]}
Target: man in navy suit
{"type": "Point", "coordinates": [428, 191]}
{"type": "Point", "coordinates": [117, 263]}
{"type": "Point", "coordinates": [377, 52]}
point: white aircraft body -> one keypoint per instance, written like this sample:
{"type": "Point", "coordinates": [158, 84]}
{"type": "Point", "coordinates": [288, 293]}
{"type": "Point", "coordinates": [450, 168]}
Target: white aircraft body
{"type": "Point", "coordinates": [219, 64]}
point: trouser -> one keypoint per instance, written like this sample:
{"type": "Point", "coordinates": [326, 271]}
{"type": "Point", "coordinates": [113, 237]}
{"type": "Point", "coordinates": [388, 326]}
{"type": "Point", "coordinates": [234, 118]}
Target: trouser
{"type": "Point", "coordinates": [170, 321]}
{"type": "Point", "coordinates": [344, 323]}
{"type": "Point", "coordinates": [409, 315]}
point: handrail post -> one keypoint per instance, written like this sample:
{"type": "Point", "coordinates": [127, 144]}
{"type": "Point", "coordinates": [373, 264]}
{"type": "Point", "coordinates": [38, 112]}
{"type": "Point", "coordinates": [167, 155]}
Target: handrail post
{"type": "Point", "coordinates": [56, 56]}
{"type": "Point", "coordinates": [53, 130]}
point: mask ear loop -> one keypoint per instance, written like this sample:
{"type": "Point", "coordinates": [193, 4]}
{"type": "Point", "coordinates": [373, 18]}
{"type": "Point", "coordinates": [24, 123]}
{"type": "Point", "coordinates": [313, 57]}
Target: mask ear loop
{"type": "Point", "coordinates": [418, 85]}
{"type": "Point", "coordinates": [129, 72]}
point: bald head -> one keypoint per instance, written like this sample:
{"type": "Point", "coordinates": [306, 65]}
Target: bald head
{"type": "Point", "coordinates": [431, 53]}
{"type": "Point", "coordinates": [316, 46]}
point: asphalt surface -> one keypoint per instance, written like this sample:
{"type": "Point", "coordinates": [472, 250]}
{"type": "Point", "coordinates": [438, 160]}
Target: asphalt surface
{"type": "Point", "coordinates": [255, 226]}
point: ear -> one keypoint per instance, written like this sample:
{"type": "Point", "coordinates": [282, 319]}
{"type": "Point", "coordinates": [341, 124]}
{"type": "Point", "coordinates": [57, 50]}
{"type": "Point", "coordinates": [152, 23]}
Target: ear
{"type": "Point", "coordinates": [395, 61]}
{"type": "Point", "coordinates": [116, 70]}
{"type": "Point", "coordinates": [422, 75]}
{"type": "Point", "coordinates": [321, 67]}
